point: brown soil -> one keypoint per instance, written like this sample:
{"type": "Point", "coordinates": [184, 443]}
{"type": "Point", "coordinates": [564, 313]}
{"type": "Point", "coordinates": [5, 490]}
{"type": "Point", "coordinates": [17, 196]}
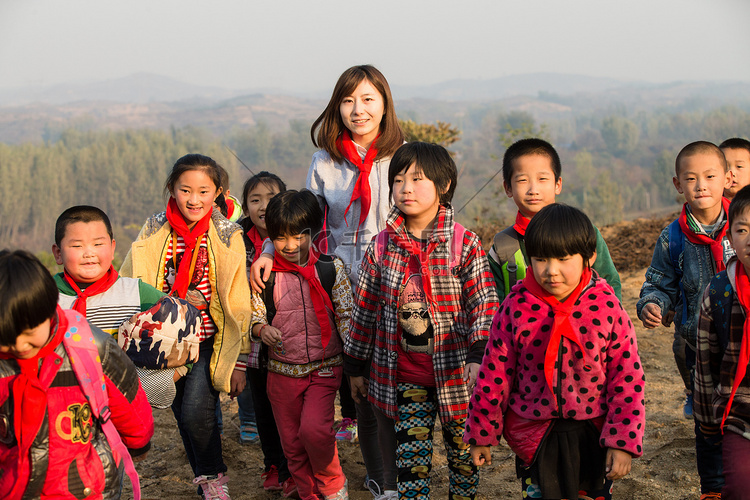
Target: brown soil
{"type": "Point", "coordinates": [665, 472]}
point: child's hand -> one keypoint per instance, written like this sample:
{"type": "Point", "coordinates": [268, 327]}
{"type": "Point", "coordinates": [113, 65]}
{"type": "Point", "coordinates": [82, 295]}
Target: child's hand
{"type": "Point", "coordinates": [260, 272]}
{"type": "Point", "coordinates": [480, 455]}
{"type": "Point", "coordinates": [666, 319]}
{"type": "Point", "coordinates": [618, 463]}
{"type": "Point", "coordinates": [358, 386]}
{"type": "Point", "coordinates": [270, 335]}
{"type": "Point", "coordinates": [651, 315]}
{"type": "Point", "coordinates": [471, 371]}
{"type": "Point", "coordinates": [237, 384]}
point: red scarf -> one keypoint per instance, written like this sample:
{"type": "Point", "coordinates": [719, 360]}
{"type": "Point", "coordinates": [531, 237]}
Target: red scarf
{"type": "Point", "coordinates": [717, 250]}
{"type": "Point", "coordinates": [742, 283]}
{"type": "Point", "coordinates": [561, 326]}
{"type": "Point", "coordinates": [30, 396]}
{"type": "Point", "coordinates": [256, 240]}
{"type": "Point", "coordinates": [191, 237]}
{"type": "Point", "coordinates": [521, 224]}
{"type": "Point", "coordinates": [320, 299]}
{"type": "Point", "coordinates": [346, 147]}
{"type": "Point", "coordinates": [415, 250]}
{"type": "Point", "coordinates": [99, 286]}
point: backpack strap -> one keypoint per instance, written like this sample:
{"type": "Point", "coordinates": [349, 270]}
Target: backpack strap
{"type": "Point", "coordinates": [84, 359]}
{"type": "Point", "coordinates": [507, 250]}
{"type": "Point", "coordinates": [676, 246]}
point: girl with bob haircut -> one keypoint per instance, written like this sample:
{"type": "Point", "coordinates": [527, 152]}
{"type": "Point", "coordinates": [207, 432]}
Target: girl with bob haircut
{"type": "Point", "coordinates": [357, 134]}
{"type": "Point", "coordinates": [39, 388]}
{"type": "Point", "coordinates": [424, 303]}
{"type": "Point", "coordinates": [561, 379]}
{"type": "Point", "coordinates": [302, 319]}
{"type": "Point", "coordinates": [192, 251]}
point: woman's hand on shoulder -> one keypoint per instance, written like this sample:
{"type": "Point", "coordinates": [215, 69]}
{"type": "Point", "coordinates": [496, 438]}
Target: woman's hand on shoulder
{"type": "Point", "coordinates": [618, 463]}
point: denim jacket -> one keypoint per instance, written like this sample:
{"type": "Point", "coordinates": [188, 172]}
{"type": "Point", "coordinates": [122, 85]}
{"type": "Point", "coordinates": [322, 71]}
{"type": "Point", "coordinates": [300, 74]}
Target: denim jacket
{"type": "Point", "coordinates": [662, 285]}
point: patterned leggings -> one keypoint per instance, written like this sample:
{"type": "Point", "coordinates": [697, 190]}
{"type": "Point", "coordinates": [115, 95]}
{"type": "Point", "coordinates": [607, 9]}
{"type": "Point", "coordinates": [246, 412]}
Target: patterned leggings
{"type": "Point", "coordinates": [531, 490]}
{"type": "Point", "coordinates": [417, 411]}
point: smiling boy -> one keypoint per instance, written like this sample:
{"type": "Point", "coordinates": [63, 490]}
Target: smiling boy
{"type": "Point", "coordinates": [532, 177]}
{"type": "Point", "coordinates": [737, 153]}
{"type": "Point", "coordinates": [688, 253]}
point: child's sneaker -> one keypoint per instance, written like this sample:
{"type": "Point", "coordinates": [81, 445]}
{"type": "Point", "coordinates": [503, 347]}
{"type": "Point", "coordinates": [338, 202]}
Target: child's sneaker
{"type": "Point", "coordinates": [289, 489]}
{"type": "Point", "coordinates": [347, 430]}
{"type": "Point", "coordinates": [213, 487]}
{"type": "Point", "coordinates": [687, 407]}
{"type": "Point", "coordinates": [249, 433]}
{"type": "Point", "coordinates": [711, 496]}
{"type": "Point", "coordinates": [271, 479]}
{"type": "Point", "coordinates": [342, 494]}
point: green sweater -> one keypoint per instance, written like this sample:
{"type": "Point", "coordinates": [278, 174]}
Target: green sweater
{"type": "Point", "coordinates": [508, 247]}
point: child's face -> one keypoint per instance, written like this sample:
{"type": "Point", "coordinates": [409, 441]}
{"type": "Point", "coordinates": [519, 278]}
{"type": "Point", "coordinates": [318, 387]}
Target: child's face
{"type": "Point", "coordinates": [739, 237]}
{"type": "Point", "coordinates": [415, 195]}
{"type": "Point", "coordinates": [29, 342]}
{"type": "Point", "coordinates": [86, 251]}
{"type": "Point", "coordinates": [257, 201]}
{"type": "Point", "coordinates": [295, 247]}
{"type": "Point", "coordinates": [702, 180]}
{"type": "Point", "coordinates": [558, 276]}
{"type": "Point", "coordinates": [533, 185]}
{"type": "Point", "coordinates": [195, 193]}
{"type": "Point", "coordinates": [739, 165]}
{"type": "Point", "coordinates": [362, 113]}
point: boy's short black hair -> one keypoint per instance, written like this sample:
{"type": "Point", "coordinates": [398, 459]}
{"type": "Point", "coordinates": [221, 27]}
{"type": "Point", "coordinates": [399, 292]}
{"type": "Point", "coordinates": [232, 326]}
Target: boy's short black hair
{"type": "Point", "coordinates": [525, 147]}
{"type": "Point", "coordinates": [293, 212]}
{"type": "Point", "coordinates": [432, 160]}
{"type": "Point", "coordinates": [740, 203]}
{"type": "Point", "coordinates": [27, 292]}
{"type": "Point", "coordinates": [699, 148]}
{"type": "Point", "coordinates": [80, 213]}
{"type": "Point", "coordinates": [559, 230]}
{"type": "Point", "coordinates": [736, 143]}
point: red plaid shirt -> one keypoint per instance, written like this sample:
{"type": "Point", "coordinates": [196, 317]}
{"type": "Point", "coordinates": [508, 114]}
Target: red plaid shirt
{"type": "Point", "coordinates": [465, 303]}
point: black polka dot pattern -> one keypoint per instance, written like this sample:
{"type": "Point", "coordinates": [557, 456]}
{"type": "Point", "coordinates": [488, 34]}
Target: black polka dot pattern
{"type": "Point", "coordinates": [602, 379]}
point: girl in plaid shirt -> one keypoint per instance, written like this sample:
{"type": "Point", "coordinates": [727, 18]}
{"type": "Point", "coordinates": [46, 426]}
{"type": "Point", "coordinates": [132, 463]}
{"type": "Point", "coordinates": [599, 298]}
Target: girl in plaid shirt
{"type": "Point", "coordinates": [424, 303]}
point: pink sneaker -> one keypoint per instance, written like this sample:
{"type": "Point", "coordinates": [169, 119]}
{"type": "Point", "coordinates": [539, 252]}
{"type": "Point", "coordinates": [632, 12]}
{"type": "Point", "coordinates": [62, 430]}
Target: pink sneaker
{"type": "Point", "coordinates": [347, 430]}
{"type": "Point", "coordinates": [213, 487]}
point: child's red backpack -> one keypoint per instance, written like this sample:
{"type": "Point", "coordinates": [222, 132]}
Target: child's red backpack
{"type": "Point", "coordinates": [84, 359]}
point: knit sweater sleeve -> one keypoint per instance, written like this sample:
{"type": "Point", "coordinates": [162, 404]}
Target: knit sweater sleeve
{"type": "Point", "coordinates": [489, 401]}
{"type": "Point", "coordinates": [342, 299]}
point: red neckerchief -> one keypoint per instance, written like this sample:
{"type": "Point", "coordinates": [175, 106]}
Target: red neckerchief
{"type": "Point", "coordinates": [414, 248]}
{"type": "Point", "coordinates": [346, 147]}
{"type": "Point", "coordinates": [30, 396]}
{"type": "Point", "coordinates": [742, 284]}
{"type": "Point", "coordinates": [257, 240]}
{"type": "Point", "coordinates": [99, 286]}
{"type": "Point", "coordinates": [521, 224]}
{"type": "Point", "coordinates": [717, 250]}
{"type": "Point", "coordinates": [561, 326]}
{"type": "Point", "coordinates": [320, 299]}
{"type": "Point", "coordinates": [191, 238]}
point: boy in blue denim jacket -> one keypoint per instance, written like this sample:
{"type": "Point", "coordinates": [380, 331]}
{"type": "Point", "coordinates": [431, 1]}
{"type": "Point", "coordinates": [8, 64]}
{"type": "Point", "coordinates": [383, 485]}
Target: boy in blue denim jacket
{"type": "Point", "coordinates": [674, 283]}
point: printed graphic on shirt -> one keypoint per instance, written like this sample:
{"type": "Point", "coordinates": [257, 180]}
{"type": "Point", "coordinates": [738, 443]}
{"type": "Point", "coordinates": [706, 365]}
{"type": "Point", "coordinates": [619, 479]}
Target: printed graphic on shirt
{"type": "Point", "coordinates": [74, 424]}
{"type": "Point", "coordinates": [728, 250]}
{"type": "Point", "coordinates": [414, 316]}
{"type": "Point", "coordinates": [194, 295]}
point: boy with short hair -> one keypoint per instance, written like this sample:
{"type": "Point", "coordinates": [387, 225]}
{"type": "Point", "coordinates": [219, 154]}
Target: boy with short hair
{"type": "Point", "coordinates": [722, 392]}
{"type": "Point", "coordinates": [57, 441]}
{"type": "Point", "coordinates": [737, 153]}
{"type": "Point", "coordinates": [532, 177]}
{"type": "Point", "coordinates": [85, 247]}
{"type": "Point", "coordinates": [688, 253]}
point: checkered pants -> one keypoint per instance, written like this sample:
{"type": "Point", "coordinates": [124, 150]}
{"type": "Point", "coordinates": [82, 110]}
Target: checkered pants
{"type": "Point", "coordinates": [417, 411]}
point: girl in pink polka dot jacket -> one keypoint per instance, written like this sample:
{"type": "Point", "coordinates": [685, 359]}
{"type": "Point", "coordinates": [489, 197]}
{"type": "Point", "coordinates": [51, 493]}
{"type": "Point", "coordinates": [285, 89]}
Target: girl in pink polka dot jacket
{"type": "Point", "coordinates": [561, 378]}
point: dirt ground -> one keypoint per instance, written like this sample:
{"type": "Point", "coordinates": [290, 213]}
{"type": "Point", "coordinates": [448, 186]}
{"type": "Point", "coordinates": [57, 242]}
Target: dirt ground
{"type": "Point", "coordinates": [665, 472]}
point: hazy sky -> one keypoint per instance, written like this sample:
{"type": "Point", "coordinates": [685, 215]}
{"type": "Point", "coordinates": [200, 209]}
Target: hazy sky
{"type": "Point", "coordinates": [305, 45]}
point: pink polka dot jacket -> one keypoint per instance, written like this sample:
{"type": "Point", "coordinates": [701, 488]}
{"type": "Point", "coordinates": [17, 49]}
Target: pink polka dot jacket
{"type": "Point", "coordinates": [605, 383]}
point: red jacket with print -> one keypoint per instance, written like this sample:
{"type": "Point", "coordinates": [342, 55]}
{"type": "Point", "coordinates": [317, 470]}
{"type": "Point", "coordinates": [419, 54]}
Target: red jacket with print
{"type": "Point", "coordinates": [604, 383]}
{"type": "Point", "coordinates": [70, 457]}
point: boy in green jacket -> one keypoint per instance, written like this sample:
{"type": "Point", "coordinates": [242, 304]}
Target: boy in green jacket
{"type": "Point", "coordinates": [531, 176]}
